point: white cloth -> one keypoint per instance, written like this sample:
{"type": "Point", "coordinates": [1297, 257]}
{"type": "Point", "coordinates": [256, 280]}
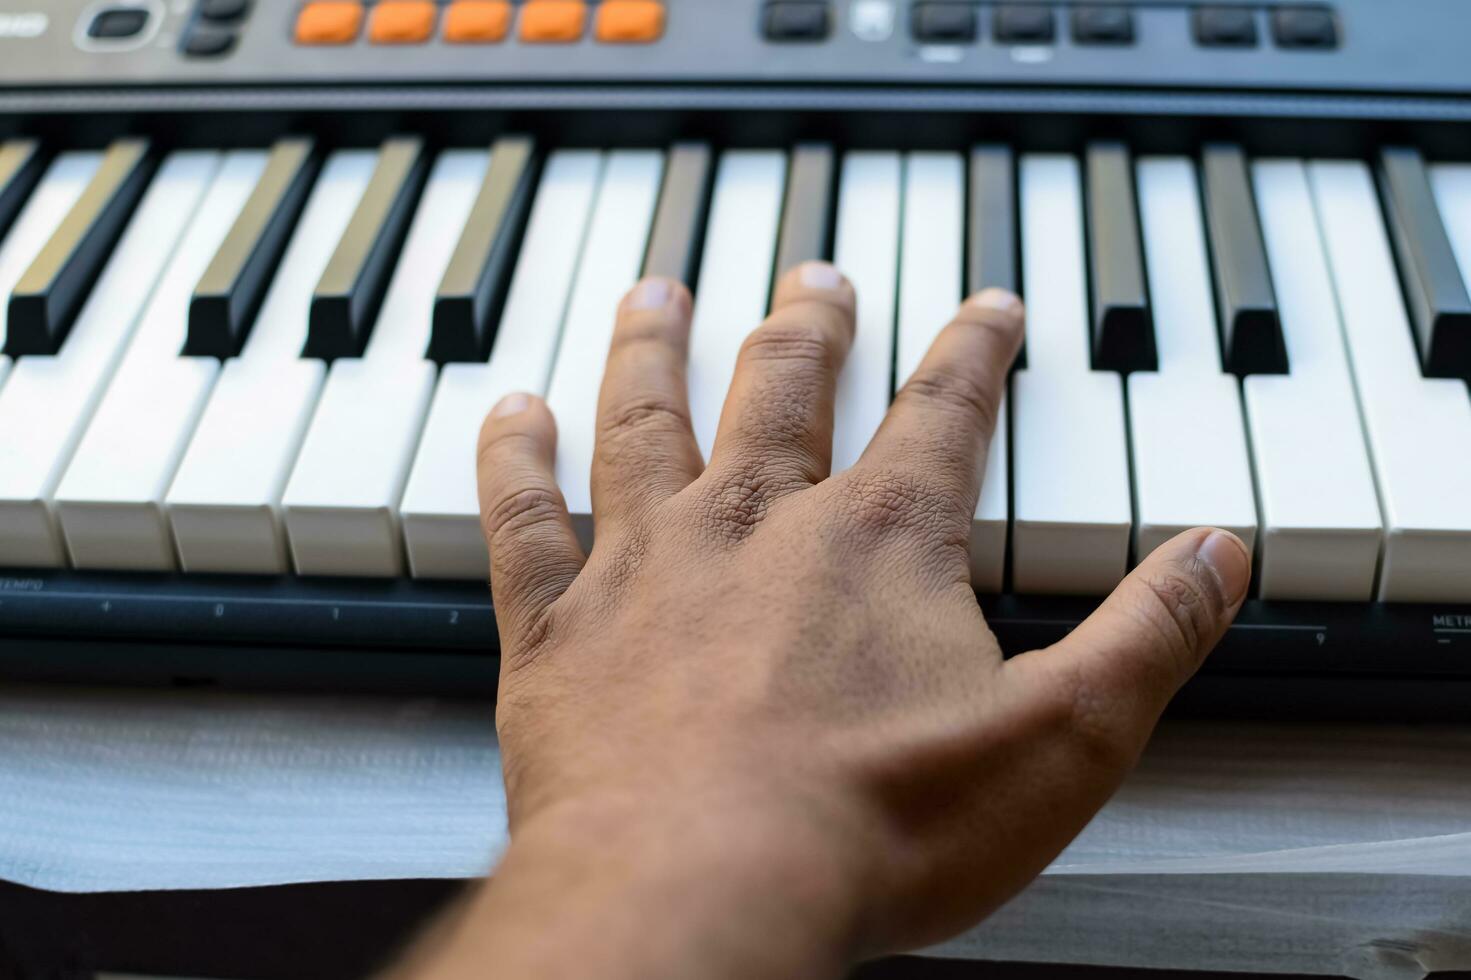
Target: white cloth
{"type": "Point", "coordinates": [1233, 847]}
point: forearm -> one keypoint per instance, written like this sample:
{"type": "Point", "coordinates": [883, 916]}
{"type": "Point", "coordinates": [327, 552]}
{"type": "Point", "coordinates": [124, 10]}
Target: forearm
{"type": "Point", "coordinates": [609, 896]}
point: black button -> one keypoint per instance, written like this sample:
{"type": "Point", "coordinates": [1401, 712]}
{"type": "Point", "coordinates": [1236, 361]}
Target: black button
{"type": "Point", "coordinates": [1229, 27]}
{"type": "Point", "coordinates": [223, 10]}
{"type": "Point", "coordinates": [1103, 25]}
{"type": "Point", "coordinates": [944, 22]}
{"type": "Point", "coordinates": [1304, 27]}
{"type": "Point", "coordinates": [1024, 24]}
{"type": "Point", "coordinates": [208, 41]}
{"type": "Point", "coordinates": [796, 20]}
{"type": "Point", "coordinates": [118, 22]}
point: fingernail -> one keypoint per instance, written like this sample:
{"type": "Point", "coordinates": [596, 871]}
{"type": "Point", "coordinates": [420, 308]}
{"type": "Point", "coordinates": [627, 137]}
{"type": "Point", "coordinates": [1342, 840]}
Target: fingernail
{"type": "Point", "coordinates": [1226, 557]}
{"type": "Point", "coordinates": [512, 404]}
{"type": "Point", "coordinates": [821, 275]}
{"type": "Point", "coordinates": [649, 294]}
{"type": "Point", "coordinates": [998, 299]}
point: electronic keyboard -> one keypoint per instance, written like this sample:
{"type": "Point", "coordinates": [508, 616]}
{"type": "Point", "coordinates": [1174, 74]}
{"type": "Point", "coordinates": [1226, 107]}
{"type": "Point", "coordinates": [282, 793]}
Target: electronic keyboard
{"type": "Point", "coordinates": [265, 266]}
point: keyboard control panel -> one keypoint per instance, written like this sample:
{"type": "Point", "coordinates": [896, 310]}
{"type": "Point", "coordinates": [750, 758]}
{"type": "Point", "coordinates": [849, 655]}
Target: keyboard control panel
{"type": "Point", "coordinates": [1342, 46]}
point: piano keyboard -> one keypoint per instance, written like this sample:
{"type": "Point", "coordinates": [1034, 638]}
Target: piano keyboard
{"type": "Point", "coordinates": [241, 387]}
{"type": "Point", "coordinates": [274, 361]}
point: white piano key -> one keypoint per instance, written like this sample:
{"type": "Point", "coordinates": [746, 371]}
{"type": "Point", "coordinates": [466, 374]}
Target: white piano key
{"type": "Point", "coordinates": [224, 501]}
{"type": "Point", "coordinates": [866, 250]}
{"type": "Point", "coordinates": [48, 204]}
{"type": "Point", "coordinates": [440, 510]}
{"type": "Point", "coordinates": [110, 502]}
{"type": "Point", "coordinates": [1320, 521]}
{"type": "Point", "coordinates": [48, 400]}
{"type": "Point", "coordinates": [930, 289]}
{"type": "Point", "coordinates": [341, 502]}
{"type": "Point", "coordinates": [1418, 428]}
{"type": "Point", "coordinates": [1190, 409]}
{"type": "Point", "coordinates": [611, 257]}
{"type": "Point", "coordinates": [735, 277]}
{"type": "Point", "coordinates": [1069, 452]}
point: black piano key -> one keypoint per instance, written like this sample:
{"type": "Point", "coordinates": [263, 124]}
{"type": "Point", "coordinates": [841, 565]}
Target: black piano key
{"type": "Point", "coordinates": [1439, 306]}
{"type": "Point", "coordinates": [991, 235]}
{"type": "Point", "coordinates": [21, 163]}
{"type": "Point", "coordinates": [1123, 329]}
{"type": "Point", "coordinates": [346, 300]}
{"type": "Point", "coordinates": [807, 214]}
{"type": "Point", "coordinates": [679, 221]}
{"type": "Point", "coordinates": [1251, 333]}
{"type": "Point", "coordinates": [230, 292]}
{"type": "Point", "coordinates": [50, 293]}
{"type": "Point", "coordinates": [991, 224]}
{"type": "Point", "coordinates": [473, 289]}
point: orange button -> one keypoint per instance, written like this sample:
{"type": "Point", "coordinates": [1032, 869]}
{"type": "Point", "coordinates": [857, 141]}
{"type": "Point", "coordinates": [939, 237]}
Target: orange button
{"type": "Point", "coordinates": [329, 22]}
{"type": "Point", "coordinates": [630, 21]}
{"type": "Point", "coordinates": [552, 21]}
{"type": "Point", "coordinates": [401, 22]}
{"type": "Point", "coordinates": [476, 21]}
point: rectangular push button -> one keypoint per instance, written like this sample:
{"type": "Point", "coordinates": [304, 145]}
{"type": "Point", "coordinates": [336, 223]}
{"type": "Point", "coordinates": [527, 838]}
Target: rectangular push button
{"type": "Point", "coordinates": [477, 21]}
{"type": "Point", "coordinates": [329, 22]}
{"type": "Point", "coordinates": [401, 22]}
{"type": "Point", "coordinates": [944, 23]}
{"type": "Point", "coordinates": [1225, 27]}
{"type": "Point", "coordinates": [553, 21]}
{"type": "Point", "coordinates": [1025, 24]}
{"type": "Point", "coordinates": [1103, 25]}
{"type": "Point", "coordinates": [117, 23]}
{"type": "Point", "coordinates": [630, 21]}
{"type": "Point", "coordinates": [795, 20]}
{"type": "Point", "coordinates": [1304, 27]}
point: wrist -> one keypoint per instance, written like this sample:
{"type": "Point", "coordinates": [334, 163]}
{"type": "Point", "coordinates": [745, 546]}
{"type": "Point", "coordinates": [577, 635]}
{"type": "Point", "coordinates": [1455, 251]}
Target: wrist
{"type": "Point", "coordinates": [708, 887]}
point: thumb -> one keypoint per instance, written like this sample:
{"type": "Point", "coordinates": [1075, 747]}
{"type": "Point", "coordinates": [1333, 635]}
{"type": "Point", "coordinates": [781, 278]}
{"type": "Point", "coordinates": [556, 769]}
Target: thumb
{"type": "Point", "coordinates": [1119, 669]}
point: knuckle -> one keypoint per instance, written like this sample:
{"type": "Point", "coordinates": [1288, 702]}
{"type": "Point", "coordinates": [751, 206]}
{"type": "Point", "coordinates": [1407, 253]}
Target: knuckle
{"type": "Point", "coordinates": [1097, 737]}
{"type": "Point", "coordinates": [735, 503]}
{"type": "Point", "coordinates": [1088, 722]}
{"type": "Point", "coordinates": [641, 417]}
{"type": "Point", "coordinates": [790, 340]}
{"type": "Point", "coordinates": [533, 636]}
{"type": "Point", "coordinates": [520, 510]}
{"type": "Point", "coordinates": [1181, 611]}
{"type": "Point", "coordinates": [878, 503]}
{"type": "Point", "coordinates": [498, 444]}
{"type": "Point", "coordinates": [956, 391]}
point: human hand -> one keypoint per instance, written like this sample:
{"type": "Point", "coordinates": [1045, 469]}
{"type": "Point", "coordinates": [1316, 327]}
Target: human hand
{"type": "Point", "coordinates": [769, 694]}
